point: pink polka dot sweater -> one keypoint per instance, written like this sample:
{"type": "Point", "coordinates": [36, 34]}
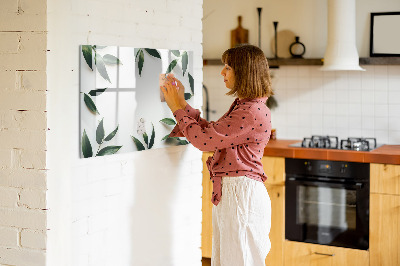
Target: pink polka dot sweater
{"type": "Point", "coordinates": [238, 139]}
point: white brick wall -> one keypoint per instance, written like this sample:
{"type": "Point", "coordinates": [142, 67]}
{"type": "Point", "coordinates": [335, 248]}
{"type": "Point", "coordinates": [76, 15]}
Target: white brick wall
{"type": "Point", "coordinates": [34, 239]}
{"type": "Point", "coordinates": [23, 132]}
{"type": "Point", "coordinates": [9, 237]}
{"type": "Point", "coordinates": [140, 208]}
{"type": "Point", "coordinates": [90, 202]}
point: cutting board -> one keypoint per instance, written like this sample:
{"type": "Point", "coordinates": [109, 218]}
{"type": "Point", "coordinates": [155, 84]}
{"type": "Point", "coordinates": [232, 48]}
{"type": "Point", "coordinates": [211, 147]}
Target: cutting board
{"type": "Point", "coordinates": [239, 35]}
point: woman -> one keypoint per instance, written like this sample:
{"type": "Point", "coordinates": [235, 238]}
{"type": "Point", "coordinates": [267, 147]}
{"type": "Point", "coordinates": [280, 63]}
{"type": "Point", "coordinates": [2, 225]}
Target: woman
{"type": "Point", "coordinates": [241, 213]}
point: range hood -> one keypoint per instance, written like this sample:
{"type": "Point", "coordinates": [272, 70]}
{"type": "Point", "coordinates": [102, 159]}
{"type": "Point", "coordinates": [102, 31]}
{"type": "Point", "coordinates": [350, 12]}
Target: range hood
{"type": "Point", "coordinates": [341, 51]}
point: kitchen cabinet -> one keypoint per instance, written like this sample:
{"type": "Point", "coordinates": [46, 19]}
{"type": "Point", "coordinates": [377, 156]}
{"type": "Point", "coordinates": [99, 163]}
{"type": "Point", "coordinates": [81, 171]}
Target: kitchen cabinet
{"type": "Point", "coordinates": [385, 178]}
{"type": "Point", "coordinates": [274, 168]}
{"type": "Point", "coordinates": [385, 215]}
{"type": "Point", "coordinates": [305, 254]}
{"type": "Point", "coordinates": [277, 233]}
{"type": "Point", "coordinates": [384, 230]}
{"type": "Point", "coordinates": [384, 221]}
{"type": "Point", "coordinates": [206, 226]}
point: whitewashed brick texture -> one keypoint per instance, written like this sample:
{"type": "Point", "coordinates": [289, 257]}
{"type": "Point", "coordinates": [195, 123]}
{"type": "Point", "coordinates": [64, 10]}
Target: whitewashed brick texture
{"type": "Point", "coordinates": [125, 206]}
{"type": "Point", "coordinates": [35, 239]}
{"type": "Point", "coordinates": [23, 42]}
{"type": "Point", "coordinates": [9, 237]}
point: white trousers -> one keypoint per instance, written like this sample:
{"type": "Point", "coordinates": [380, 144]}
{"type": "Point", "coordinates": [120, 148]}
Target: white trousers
{"type": "Point", "coordinates": [241, 223]}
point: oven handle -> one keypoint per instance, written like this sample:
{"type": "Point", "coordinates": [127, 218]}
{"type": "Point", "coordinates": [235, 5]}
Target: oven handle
{"type": "Point", "coordinates": [357, 185]}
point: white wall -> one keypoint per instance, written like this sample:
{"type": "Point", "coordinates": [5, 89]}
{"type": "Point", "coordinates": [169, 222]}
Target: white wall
{"type": "Point", "coordinates": [140, 208]}
{"type": "Point", "coordinates": [311, 102]}
{"type": "Point", "coordinates": [306, 19]}
{"type": "Point", "coordinates": [23, 133]}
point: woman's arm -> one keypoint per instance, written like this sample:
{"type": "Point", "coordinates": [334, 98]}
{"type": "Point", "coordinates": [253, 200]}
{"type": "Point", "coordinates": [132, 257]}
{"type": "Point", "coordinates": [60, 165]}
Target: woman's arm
{"type": "Point", "coordinates": [239, 127]}
{"type": "Point", "coordinates": [194, 113]}
{"type": "Point", "coordinates": [177, 100]}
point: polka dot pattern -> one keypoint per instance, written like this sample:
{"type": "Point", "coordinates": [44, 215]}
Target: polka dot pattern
{"type": "Point", "coordinates": [238, 139]}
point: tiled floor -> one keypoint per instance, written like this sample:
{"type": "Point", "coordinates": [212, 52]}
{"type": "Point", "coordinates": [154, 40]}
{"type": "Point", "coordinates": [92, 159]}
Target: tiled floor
{"type": "Point", "coordinates": [206, 261]}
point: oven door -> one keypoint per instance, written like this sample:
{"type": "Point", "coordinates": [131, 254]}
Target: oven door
{"type": "Point", "coordinates": [327, 213]}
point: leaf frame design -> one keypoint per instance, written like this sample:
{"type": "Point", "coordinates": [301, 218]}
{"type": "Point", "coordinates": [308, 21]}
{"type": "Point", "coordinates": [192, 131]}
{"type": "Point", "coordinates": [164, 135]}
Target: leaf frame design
{"type": "Point", "coordinates": [102, 58]}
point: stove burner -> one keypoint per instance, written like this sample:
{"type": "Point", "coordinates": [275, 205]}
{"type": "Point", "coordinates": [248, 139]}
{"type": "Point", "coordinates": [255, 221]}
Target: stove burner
{"type": "Point", "coordinates": [328, 142]}
{"type": "Point", "coordinates": [358, 144]}
{"type": "Point", "coordinates": [332, 142]}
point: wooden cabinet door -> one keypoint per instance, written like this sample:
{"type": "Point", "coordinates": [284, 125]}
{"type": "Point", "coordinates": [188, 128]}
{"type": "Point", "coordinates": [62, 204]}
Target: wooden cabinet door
{"type": "Point", "coordinates": [206, 226]}
{"type": "Point", "coordinates": [385, 178]}
{"type": "Point", "coordinates": [304, 254]}
{"type": "Point", "coordinates": [274, 168]}
{"type": "Point", "coordinates": [277, 233]}
{"type": "Point", "coordinates": [384, 236]}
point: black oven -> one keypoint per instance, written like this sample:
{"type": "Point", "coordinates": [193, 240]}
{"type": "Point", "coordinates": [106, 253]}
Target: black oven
{"type": "Point", "coordinates": [327, 202]}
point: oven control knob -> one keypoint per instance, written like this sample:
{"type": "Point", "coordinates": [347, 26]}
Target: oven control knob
{"type": "Point", "coordinates": [308, 166]}
{"type": "Point", "coordinates": [343, 168]}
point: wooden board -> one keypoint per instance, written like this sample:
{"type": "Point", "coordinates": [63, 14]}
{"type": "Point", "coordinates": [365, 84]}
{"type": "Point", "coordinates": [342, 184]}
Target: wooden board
{"type": "Point", "coordinates": [277, 233]}
{"type": "Point", "coordinates": [274, 168]}
{"type": "Point", "coordinates": [239, 35]}
{"type": "Point", "coordinates": [206, 232]}
{"type": "Point", "coordinates": [384, 236]}
{"type": "Point", "coordinates": [305, 254]}
{"type": "Point", "coordinates": [385, 178]}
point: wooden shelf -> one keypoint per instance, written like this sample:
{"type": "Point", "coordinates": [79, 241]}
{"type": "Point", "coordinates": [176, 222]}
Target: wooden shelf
{"type": "Point", "coordinates": [380, 61]}
{"type": "Point", "coordinates": [274, 63]}
{"type": "Point", "coordinates": [294, 62]}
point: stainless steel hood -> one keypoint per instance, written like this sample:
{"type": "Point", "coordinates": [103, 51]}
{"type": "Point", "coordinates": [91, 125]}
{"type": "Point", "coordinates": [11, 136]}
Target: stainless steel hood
{"type": "Point", "coordinates": [341, 51]}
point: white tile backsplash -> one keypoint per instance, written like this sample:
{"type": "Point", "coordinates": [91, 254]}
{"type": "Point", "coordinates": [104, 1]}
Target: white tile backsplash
{"type": "Point", "coordinates": [394, 97]}
{"type": "Point", "coordinates": [394, 123]}
{"type": "Point", "coordinates": [380, 71]}
{"type": "Point", "coordinates": [394, 110]}
{"type": "Point", "coordinates": [355, 109]}
{"type": "Point", "coordinates": [292, 83]}
{"type": "Point", "coordinates": [304, 82]}
{"type": "Point", "coordinates": [329, 109]}
{"type": "Point", "coordinates": [342, 96]}
{"type": "Point", "coordinates": [304, 72]}
{"type": "Point", "coordinates": [342, 123]}
{"type": "Point", "coordinates": [381, 110]}
{"type": "Point", "coordinates": [394, 137]}
{"type": "Point", "coordinates": [381, 97]}
{"type": "Point", "coordinates": [381, 122]}
{"type": "Point", "coordinates": [382, 136]}
{"type": "Point", "coordinates": [393, 71]}
{"type": "Point", "coordinates": [380, 84]}
{"type": "Point", "coordinates": [343, 103]}
{"type": "Point", "coordinates": [367, 96]}
{"type": "Point", "coordinates": [368, 123]}
{"type": "Point", "coordinates": [342, 109]}
{"type": "Point", "coordinates": [367, 109]}
{"type": "Point", "coordinates": [291, 71]}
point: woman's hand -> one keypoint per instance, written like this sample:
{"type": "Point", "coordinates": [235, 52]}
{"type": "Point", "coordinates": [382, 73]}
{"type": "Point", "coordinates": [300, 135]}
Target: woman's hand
{"type": "Point", "coordinates": [181, 90]}
{"type": "Point", "coordinates": [172, 94]}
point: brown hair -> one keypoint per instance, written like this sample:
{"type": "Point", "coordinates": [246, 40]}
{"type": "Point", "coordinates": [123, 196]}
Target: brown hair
{"type": "Point", "coordinates": [250, 66]}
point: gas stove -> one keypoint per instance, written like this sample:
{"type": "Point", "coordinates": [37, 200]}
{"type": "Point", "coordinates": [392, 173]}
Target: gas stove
{"type": "Point", "coordinates": [332, 142]}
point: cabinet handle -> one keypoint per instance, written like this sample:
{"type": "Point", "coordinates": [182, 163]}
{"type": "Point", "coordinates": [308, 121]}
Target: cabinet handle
{"type": "Point", "coordinates": [324, 254]}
